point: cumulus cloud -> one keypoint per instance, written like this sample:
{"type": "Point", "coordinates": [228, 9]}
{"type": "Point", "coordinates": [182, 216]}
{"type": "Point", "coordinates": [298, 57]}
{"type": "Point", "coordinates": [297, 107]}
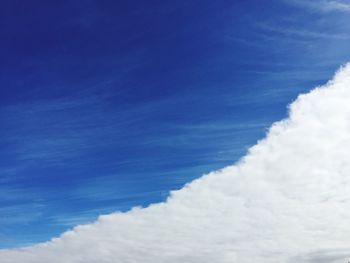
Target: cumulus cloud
{"type": "Point", "coordinates": [287, 200]}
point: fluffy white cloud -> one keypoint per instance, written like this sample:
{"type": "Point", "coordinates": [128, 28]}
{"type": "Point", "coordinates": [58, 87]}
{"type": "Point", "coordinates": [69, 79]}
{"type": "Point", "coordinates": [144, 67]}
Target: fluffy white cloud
{"type": "Point", "coordinates": [287, 200]}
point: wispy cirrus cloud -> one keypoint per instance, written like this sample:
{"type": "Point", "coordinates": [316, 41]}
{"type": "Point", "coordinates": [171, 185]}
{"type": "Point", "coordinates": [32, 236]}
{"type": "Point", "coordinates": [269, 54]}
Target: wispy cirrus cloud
{"type": "Point", "coordinates": [323, 5]}
{"type": "Point", "coordinates": [303, 33]}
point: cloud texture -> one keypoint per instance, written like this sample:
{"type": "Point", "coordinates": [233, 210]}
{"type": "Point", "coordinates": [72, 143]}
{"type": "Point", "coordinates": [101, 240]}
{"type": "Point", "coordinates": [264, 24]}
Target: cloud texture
{"type": "Point", "coordinates": [287, 200]}
{"type": "Point", "coordinates": [323, 5]}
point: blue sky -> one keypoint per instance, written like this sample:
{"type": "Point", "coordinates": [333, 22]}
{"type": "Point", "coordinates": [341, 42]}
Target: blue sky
{"type": "Point", "coordinates": [106, 105]}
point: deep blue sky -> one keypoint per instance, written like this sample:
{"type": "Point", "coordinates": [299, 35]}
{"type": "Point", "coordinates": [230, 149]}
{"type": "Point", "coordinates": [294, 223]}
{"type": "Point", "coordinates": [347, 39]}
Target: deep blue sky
{"type": "Point", "coordinates": [106, 105]}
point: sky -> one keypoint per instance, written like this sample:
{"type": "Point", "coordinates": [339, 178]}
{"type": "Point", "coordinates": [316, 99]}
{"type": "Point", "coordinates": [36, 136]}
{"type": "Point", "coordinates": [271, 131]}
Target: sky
{"type": "Point", "coordinates": [286, 200]}
{"type": "Point", "coordinates": [108, 105]}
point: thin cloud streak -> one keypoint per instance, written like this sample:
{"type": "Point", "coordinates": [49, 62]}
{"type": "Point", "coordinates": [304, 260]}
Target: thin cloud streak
{"type": "Point", "coordinates": [324, 6]}
{"type": "Point", "coordinates": [302, 33]}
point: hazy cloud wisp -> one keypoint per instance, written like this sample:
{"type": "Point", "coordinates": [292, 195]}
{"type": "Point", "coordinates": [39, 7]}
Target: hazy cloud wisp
{"type": "Point", "coordinates": [323, 5]}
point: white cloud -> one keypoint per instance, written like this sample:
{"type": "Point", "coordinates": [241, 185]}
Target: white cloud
{"type": "Point", "coordinates": [287, 200]}
{"type": "Point", "coordinates": [323, 5]}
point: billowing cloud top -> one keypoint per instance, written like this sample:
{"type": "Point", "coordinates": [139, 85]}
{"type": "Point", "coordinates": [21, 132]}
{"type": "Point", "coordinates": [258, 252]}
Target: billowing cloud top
{"type": "Point", "coordinates": [287, 200]}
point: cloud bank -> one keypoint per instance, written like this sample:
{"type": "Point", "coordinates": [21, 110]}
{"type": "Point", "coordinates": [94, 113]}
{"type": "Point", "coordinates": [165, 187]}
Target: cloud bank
{"type": "Point", "coordinates": [287, 200]}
